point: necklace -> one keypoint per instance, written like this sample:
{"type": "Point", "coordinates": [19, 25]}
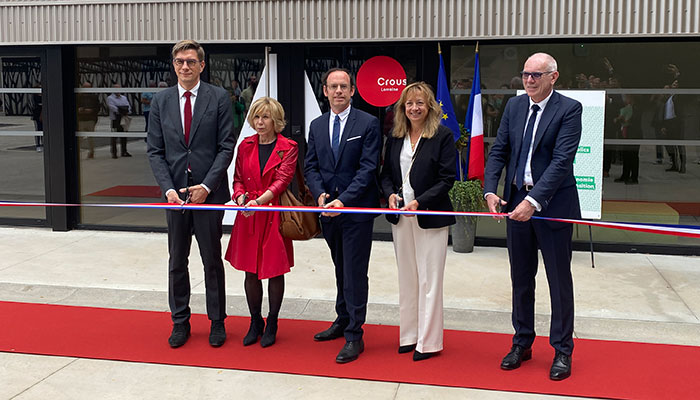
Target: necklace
{"type": "Point", "coordinates": [413, 143]}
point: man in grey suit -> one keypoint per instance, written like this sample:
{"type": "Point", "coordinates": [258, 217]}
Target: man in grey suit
{"type": "Point", "coordinates": [190, 146]}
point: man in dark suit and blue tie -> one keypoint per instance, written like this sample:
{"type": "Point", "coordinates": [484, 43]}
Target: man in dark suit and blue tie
{"type": "Point", "coordinates": [341, 170]}
{"type": "Point", "coordinates": [536, 143]}
{"type": "Point", "coordinates": [190, 146]}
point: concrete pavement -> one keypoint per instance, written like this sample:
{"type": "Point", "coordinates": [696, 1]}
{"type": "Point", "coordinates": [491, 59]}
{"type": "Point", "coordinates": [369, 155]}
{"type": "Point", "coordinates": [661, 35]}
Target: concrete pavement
{"type": "Point", "coordinates": [635, 297]}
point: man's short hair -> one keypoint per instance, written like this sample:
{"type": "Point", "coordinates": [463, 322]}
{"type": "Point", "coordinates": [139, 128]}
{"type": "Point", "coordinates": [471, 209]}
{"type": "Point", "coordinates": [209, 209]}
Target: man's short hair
{"type": "Point", "coordinates": [324, 77]}
{"type": "Point", "coordinates": [188, 45]}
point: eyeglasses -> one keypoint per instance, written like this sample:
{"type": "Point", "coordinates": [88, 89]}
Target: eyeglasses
{"type": "Point", "coordinates": [342, 87]}
{"type": "Point", "coordinates": [535, 75]}
{"type": "Point", "coordinates": [179, 62]}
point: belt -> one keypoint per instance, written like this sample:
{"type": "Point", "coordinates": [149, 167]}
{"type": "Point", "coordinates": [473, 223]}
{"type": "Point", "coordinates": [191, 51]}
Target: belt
{"type": "Point", "coordinates": [528, 187]}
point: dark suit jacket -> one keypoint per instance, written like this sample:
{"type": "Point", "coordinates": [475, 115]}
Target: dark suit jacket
{"type": "Point", "coordinates": [211, 141]}
{"type": "Point", "coordinates": [432, 176]}
{"type": "Point", "coordinates": [556, 142]}
{"type": "Point", "coordinates": [353, 178]}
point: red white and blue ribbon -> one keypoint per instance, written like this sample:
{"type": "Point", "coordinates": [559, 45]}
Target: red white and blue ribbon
{"type": "Point", "coordinates": [662, 229]}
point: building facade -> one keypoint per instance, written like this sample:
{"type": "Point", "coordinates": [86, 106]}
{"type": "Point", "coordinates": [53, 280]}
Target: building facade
{"type": "Point", "coordinates": [61, 60]}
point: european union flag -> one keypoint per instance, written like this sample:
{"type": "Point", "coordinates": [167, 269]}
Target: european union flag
{"type": "Point", "coordinates": [443, 98]}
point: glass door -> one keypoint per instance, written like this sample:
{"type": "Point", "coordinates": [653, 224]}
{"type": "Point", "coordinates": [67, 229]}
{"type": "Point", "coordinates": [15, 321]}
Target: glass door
{"type": "Point", "coordinates": [22, 145]}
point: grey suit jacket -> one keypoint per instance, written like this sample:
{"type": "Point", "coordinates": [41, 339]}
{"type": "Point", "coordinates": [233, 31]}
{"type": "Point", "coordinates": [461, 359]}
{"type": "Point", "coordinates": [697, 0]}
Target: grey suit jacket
{"type": "Point", "coordinates": [210, 149]}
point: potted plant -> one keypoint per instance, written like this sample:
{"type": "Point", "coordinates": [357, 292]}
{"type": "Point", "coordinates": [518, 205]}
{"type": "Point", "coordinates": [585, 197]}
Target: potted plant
{"type": "Point", "coordinates": [467, 196]}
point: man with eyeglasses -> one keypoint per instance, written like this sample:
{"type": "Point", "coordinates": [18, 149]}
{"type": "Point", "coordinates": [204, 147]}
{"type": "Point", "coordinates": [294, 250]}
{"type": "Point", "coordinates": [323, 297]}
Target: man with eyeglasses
{"type": "Point", "coordinates": [536, 143]}
{"type": "Point", "coordinates": [341, 164]}
{"type": "Point", "coordinates": [190, 146]}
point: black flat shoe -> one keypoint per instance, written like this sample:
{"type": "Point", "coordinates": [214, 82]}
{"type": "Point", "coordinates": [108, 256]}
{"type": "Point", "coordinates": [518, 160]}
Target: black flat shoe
{"type": "Point", "coordinates": [334, 332]}
{"type": "Point", "coordinates": [350, 351]}
{"type": "Point", "coordinates": [418, 356]}
{"type": "Point", "coordinates": [270, 335]}
{"type": "Point", "coordinates": [407, 348]}
{"type": "Point", "coordinates": [515, 357]}
{"type": "Point", "coordinates": [179, 335]}
{"type": "Point", "coordinates": [561, 367]}
{"type": "Point", "coordinates": [257, 324]}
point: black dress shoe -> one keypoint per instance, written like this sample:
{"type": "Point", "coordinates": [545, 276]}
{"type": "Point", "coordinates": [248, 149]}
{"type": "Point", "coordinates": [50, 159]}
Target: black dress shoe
{"type": "Point", "coordinates": [334, 332]}
{"type": "Point", "coordinates": [561, 367]}
{"type": "Point", "coordinates": [125, 154]}
{"type": "Point", "coordinates": [179, 335]}
{"type": "Point", "coordinates": [350, 351]}
{"type": "Point", "coordinates": [217, 334]}
{"type": "Point", "coordinates": [270, 335]}
{"type": "Point", "coordinates": [515, 357]}
{"type": "Point", "coordinates": [418, 356]}
{"type": "Point", "coordinates": [257, 324]}
{"type": "Point", "coordinates": [407, 349]}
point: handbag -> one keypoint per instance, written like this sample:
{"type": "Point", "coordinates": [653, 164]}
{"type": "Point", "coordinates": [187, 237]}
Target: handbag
{"type": "Point", "coordinates": [298, 225]}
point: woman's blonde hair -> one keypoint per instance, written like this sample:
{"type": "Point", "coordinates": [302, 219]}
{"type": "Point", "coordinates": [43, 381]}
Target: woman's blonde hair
{"type": "Point", "coordinates": [273, 107]}
{"type": "Point", "coordinates": [402, 124]}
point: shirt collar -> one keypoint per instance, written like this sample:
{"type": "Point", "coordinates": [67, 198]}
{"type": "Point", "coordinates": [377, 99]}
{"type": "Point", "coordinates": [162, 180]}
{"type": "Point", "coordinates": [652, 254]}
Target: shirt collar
{"type": "Point", "coordinates": [343, 114]}
{"type": "Point", "coordinates": [194, 90]}
{"type": "Point", "coordinates": [542, 104]}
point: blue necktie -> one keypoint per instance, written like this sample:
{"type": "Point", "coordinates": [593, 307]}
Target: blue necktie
{"type": "Point", "coordinates": [335, 143]}
{"type": "Point", "coordinates": [525, 147]}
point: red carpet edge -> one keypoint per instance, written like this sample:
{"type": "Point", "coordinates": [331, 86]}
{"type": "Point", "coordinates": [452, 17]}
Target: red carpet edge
{"type": "Point", "coordinates": [611, 369]}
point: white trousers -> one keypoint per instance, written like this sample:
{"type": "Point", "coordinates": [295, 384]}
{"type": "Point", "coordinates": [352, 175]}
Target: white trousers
{"type": "Point", "coordinates": [420, 256]}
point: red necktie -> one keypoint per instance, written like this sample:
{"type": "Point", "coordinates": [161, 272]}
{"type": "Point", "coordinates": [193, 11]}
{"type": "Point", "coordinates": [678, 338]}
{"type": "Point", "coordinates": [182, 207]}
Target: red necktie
{"type": "Point", "coordinates": [188, 117]}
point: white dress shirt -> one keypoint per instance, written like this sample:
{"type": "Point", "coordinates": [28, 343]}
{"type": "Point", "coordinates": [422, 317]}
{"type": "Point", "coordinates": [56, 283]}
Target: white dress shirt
{"type": "Point", "coordinates": [343, 120]}
{"type": "Point", "coordinates": [527, 179]}
{"type": "Point", "coordinates": [193, 98]}
{"type": "Point", "coordinates": [183, 99]}
{"type": "Point", "coordinates": [405, 161]}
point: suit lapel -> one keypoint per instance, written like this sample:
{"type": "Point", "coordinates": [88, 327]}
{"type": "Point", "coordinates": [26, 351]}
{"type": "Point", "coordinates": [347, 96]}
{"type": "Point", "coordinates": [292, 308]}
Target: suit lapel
{"type": "Point", "coordinates": [547, 116]}
{"type": "Point", "coordinates": [200, 107]}
{"type": "Point", "coordinates": [325, 139]}
{"type": "Point", "coordinates": [520, 122]}
{"type": "Point", "coordinates": [346, 132]}
{"type": "Point", "coordinates": [173, 111]}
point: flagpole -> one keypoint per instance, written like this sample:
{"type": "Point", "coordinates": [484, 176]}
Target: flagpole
{"type": "Point", "coordinates": [267, 75]}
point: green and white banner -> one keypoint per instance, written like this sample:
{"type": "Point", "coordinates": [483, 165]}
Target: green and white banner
{"type": "Point", "coordinates": [588, 165]}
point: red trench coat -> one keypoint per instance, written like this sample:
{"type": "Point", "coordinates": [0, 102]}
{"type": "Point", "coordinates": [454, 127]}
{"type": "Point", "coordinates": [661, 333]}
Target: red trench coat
{"type": "Point", "coordinates": [256, 244]}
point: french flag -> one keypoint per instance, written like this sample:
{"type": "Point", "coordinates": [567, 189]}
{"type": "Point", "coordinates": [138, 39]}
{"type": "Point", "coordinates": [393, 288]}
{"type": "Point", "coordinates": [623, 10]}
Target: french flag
{"type": "Point", "coordinates": [474, 125]}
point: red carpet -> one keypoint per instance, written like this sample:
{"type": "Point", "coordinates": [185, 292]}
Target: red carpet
{"type": "Point", "coordinates": [471, 359]}
{"type": "Point", "coordinates": [153, 192]}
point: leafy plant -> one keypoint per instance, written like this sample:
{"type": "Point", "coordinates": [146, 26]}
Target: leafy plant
{"type": "Point", "coordinates": [467, 196]}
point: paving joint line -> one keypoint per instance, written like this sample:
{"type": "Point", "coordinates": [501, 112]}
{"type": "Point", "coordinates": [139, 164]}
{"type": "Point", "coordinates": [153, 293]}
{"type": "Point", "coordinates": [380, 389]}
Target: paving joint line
{"type": "Point", "coordinates": [673, 289]}
{"type": "Point", "coordinates": [46, 377]}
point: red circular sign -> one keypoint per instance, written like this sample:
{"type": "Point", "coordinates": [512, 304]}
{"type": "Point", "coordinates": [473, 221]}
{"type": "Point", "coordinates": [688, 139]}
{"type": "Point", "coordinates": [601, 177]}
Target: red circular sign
{"type": "Point", "coordinates": [381, 80]}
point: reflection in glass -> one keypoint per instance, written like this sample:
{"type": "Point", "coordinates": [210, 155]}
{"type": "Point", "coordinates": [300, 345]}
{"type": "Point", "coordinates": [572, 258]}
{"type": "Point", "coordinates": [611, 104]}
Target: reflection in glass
{"type": "Point", "coordinates": [21, 136]}
{"type": "Point", "coordinates": [115, 87]}
{"type": "Point", "coordinates": [652, 124]}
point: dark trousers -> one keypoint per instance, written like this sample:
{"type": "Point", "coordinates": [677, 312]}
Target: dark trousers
{"type": "Point", "coordinates": [206, 227]}
{"type": "Point", "coordinates": [554, 240]}
{"type": "Point", "coordinates": [116, 127]}
{"type": "Point", "coordinates": [145, 116]}
{"type": "Point", "coordinates": [630, 162]}
{"type": "Point", "coordinates": [350, 244]}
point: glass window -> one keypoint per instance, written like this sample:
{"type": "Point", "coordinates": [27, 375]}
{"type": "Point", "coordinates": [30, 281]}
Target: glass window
{"type": "Point", "coordinates": [652, 124]}
{"type": "Point", "coordinates": [21, 136]}
{"type": "Point", "coordinates": [115, 85]}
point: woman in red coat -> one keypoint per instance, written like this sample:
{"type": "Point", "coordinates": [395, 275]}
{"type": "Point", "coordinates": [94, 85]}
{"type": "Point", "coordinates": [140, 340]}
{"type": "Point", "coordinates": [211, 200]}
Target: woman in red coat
{"type": "Point", "coordinates": [265, 165]}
